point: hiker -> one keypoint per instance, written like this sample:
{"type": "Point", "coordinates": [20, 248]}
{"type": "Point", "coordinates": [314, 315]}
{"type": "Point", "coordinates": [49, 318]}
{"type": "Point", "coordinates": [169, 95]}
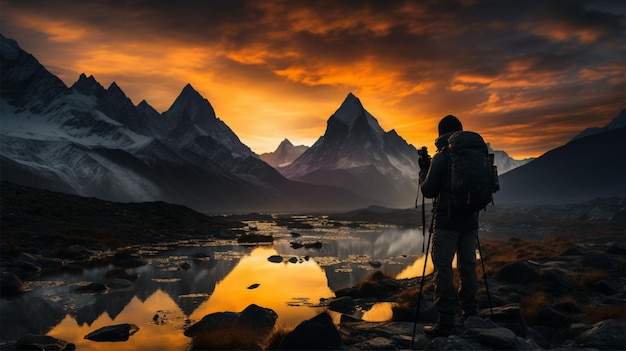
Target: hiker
{"type": "Point", "coordinates": [454, 232]}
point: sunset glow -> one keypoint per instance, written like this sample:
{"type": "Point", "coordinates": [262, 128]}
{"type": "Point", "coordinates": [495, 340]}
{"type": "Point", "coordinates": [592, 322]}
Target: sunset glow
{"type": "Point", "coordinates": [528, 75]}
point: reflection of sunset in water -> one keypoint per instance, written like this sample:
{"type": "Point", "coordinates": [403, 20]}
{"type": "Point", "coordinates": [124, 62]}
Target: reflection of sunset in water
{"type": "Point", "coordinates": [299, 282]}
{"type": "Point", "coordinates": [150, 335]}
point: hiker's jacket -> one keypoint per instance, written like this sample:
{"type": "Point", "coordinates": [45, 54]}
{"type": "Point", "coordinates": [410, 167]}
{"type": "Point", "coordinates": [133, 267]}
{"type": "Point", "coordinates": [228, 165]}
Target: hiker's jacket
{"type": "Point", "coordinates": [437, 185]}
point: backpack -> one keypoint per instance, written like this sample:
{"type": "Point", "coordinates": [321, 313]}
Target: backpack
{"type": "Point", "coordinates": [473, 176]}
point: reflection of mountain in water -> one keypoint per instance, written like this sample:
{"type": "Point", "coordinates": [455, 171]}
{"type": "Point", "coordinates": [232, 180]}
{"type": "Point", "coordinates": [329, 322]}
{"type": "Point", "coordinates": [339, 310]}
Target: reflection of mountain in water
{"type": "Point", "coordinates": [394, 248]}
{"type": "Point", "coordinates": [40, 310]}
{"type": "Point", "coordinates": [343, 261]}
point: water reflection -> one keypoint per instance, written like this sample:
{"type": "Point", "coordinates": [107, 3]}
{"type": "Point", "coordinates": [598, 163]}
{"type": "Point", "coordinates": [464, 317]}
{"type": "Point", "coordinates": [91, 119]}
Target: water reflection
{"type": "Point", "coordinates": [166, 298]}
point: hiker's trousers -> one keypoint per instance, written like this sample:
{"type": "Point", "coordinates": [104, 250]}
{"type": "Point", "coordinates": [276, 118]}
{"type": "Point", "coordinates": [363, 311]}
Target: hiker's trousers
{"type": "Point", "coordinates": [445, 244]}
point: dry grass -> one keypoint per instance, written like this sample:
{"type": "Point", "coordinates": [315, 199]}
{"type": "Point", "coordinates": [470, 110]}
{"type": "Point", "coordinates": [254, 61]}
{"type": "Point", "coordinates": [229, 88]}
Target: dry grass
{"type": "Point", "coordinates": [240, 338]}
{"type": "Point", "coordinates": [590, 276]}
{"type": "Point", "coordinates": [532, 305]}
{"type": "Point", "coordinates": [275, 338]}
{"type": "Point", "coordinates": [594, 313]}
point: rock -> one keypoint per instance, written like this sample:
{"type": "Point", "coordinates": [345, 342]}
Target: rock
{"type": "Point", "coordinates": [258, 318]}
{"type": "Point", "coordinates": [313, 245]}
{"type": "Point", "coordinates": [616, 248]}
{"type": "Point", "coordinates": [217, 320]}
{"type": "Point", "coordinates": [597, 260]}
{"type": "Point", "coordinates": [253, 286]}
{"type": "Point", "coordinates": [255, 238]}
{"type": "Point", "coordinates": [119, 332]}
{"type": "Point", "coordinates": [605, 335]}
{"type": "Point", "coordinates": [555, 281]}
{"type": "Point", "coordinates": [509, 316]}
{"type": "Point", "coordinates": [75, 251]}
{"type": "Point", "coordinates": [453, 343]}
{"type": "Point", "coordinates": [293, 260]}
{"type": "Point", "coordinates": [377, 343]}
{"type": "Point", "coordinates": [11, 285]}
{"type": "Point", "coordinates": [42, 342]}
{"type": "Point", "coordinates": [476, 322]}
{"type": "Point", "coordinates": [317, 333]}
{"type": "Point", "coordinates": [296, 245]}
{"type": "Point", "coordinates": [119, 284]}
{"type": "Point", "coordinates": [552, 318]}
{"type": "Point", "coordinates": [375, 264]}
{"type": "Point", "coordinates": [255, 317]}
{"type": "Point", "coordinates": [275, 259]}
{"type": "Point", "coordinates": [497, 338]}
{"type": "Point", "coordinates": [606, 287]}
{"type": "Point", "coordinates": [224, 234]}
{"type": "Point", "coordinates": [344, 304]}
{"type": "Point", "coordinates": [92, 288]}
{"type": "Point", "coordinates": [517, 272]}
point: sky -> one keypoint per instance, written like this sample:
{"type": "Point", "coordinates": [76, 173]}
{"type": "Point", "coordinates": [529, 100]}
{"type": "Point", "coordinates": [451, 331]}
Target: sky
{"type": "Point", "coordinates": [527, 75]}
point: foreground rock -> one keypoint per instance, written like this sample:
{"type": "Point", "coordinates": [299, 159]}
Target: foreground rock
{"type": "Point", "coordinates": [119, 332]}
{"type": "Point", "coordinates": [317, 333]}
{"type": "Point", "coordinates": [225, 330]}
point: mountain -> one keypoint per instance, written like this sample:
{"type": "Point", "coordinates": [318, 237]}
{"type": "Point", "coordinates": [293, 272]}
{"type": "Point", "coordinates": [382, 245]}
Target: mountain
{"type": "Point", "coordinates": [616, 123]}
{"type": "Point", "coordinates": [586, 168]}
{"type": "Point", "coordinates": [93, 141]}
{"type": "Point", "coordinates": [504, 162]}
{"type": "Point", "coordinates": [357, 154]}
{"type": "Point", "coordinates": [284, 154]}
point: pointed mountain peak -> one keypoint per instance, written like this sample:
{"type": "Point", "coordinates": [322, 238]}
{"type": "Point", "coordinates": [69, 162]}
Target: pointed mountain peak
{"type": "Point", "coordinates": [88, 85]}
{"type": "Point", "coordinates": [286, 142]}
{"type": "Point", "coordinates": [114, 89]}
{"type": "Point", "coordinates": [188, 90]}
{"type": "Point", "coordinates": [351, 113]}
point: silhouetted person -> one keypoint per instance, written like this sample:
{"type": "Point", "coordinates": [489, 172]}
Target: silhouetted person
{"type": "Point", "coordinates": [454, 232]}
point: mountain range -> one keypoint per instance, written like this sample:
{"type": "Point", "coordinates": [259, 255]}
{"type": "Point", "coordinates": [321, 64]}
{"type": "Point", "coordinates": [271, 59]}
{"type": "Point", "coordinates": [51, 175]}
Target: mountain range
{"type": "Point", "coordinates": [93, 141]}
{"type": "Point", "coordinates": [591, 165]}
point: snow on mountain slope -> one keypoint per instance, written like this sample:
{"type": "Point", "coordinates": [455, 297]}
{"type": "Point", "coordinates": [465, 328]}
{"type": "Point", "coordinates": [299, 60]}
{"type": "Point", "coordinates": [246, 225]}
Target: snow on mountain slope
{"type": "Point", "coordinates": [92, 141]}
{"type": "Point", "coordinates": [356, 153]}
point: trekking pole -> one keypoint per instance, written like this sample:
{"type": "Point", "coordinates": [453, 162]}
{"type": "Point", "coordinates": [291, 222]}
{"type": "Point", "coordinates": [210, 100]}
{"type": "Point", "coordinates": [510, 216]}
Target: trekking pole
{"type": "Point", "coordinates": [482, 262]}
{"type": "Point", "coordinates": [419, 296]}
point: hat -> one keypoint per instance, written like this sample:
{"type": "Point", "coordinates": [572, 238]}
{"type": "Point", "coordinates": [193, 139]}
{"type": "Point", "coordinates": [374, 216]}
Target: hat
{"type": "Point", "coordinates": [449, 124]}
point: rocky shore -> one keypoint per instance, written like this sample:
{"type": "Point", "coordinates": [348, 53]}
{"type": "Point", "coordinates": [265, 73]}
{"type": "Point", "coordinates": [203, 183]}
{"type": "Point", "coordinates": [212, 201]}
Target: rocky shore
{"type": "Point", "coordinates": [558, 280]}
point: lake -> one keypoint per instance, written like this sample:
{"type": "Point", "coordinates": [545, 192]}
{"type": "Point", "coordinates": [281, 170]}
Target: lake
{"type": "Point", "coordinates": [184, 281]}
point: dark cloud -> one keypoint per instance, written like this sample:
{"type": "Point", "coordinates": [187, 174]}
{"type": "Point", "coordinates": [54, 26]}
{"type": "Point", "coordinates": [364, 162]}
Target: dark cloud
{"type": "Point", "coordinates": [500, 63]}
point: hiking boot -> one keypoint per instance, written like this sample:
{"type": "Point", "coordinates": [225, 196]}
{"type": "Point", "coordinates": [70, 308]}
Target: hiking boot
{"type": "Point", "coordinates": [438, 330]}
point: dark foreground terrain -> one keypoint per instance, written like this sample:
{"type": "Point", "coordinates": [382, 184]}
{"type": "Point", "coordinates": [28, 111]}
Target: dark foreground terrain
{"type": "Point", "coordinates": [556, 274]}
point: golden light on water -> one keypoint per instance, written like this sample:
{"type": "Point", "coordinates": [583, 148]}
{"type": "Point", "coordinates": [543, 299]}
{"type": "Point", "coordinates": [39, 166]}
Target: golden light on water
{"type": "Point", "coordinates": [151, 336]}
{"type": "Point", "coordinates": [300, 283]}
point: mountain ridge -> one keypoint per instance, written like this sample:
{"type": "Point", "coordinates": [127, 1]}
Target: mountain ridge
{"type": "Point", "coordinates": [92, 141]}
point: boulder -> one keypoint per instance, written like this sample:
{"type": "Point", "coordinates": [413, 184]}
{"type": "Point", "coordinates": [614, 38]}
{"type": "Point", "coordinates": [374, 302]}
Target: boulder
{"type": "Point", "coordinates": [275, 259]}
{"type": "Point", "coordinates": [606, 287]}
{"type": "Point", "coordinates": [517, 272]}
{"type": "Point", "coordinates": [42, 342]}
{"type": "Point", "coordinates": [344, 304]}
{"type": "Point", "coordinates": [11, 285]}
{"type": "Point", "coordinates": [552, 318]}
{"type": "Point", "coordinates": [616, 248]}
{"type": "Point", "coordinates": [497, 338]}
{"type": "Point", "coordinates": [596, 260]}
{"type": "Point", "coordinates": [258, 318]}
{"type": "Point", "coordinates": [509, 316]}
{"type": "Point", "coordinates": [605, 335]}
{"type": "Point", "coordinates": [317, 333]}
{"type": "Point", "coordinates": [211, 321]}
{"type": "Point", "coordinates": [119, 332]}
